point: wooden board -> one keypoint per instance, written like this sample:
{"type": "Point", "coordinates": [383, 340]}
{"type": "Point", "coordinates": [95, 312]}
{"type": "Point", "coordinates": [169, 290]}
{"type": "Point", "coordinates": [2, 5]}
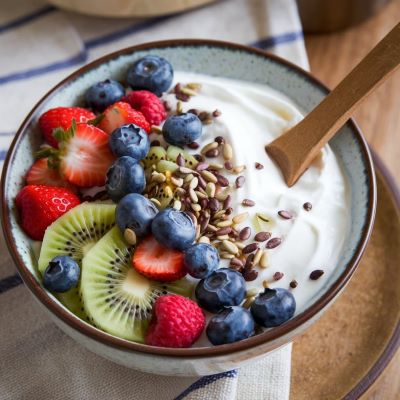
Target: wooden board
{"type": "Point", "coordinates": [347, 349]}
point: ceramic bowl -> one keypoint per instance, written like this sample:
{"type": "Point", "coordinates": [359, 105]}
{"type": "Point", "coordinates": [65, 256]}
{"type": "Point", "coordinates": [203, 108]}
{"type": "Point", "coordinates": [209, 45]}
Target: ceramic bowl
{"type": "Point", "coordinates": [218, 59]}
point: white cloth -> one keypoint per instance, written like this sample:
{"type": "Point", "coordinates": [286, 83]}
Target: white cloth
{"type": "Point", "coordinates": [40, 45]}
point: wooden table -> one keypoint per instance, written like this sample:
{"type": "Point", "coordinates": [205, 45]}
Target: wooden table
{"type": "Point", "coordinates": [331, 58]}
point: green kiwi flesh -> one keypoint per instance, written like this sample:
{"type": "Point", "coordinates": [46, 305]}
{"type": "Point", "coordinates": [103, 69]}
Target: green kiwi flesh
{"type": "Point", "coordinates": [155, 154]}
{"type": "Point", "coordinates": [116, 298]}
{"type": "Point", "coordinates": [174, 151]}
{"type": "Point", "coordinates": [73, 234]}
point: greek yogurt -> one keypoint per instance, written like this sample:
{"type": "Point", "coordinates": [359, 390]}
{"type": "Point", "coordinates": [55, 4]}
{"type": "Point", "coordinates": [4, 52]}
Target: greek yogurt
{"type": "Point", "coordinates": [252, 115]}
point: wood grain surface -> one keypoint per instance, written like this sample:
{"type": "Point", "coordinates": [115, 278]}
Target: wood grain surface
{"type": "Point", "coordinates": [331, 58]}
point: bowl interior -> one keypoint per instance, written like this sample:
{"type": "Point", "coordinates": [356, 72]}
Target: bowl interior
{"type": "Point", "coordinates": [217, 60]}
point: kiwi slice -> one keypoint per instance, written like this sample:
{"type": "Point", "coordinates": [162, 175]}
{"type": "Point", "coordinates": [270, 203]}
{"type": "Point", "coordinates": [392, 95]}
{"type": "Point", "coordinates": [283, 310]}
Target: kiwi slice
{"type": "Point", "coordinates": [165, 195]}
{"type": "Point", "coordinates": [155, 154]}
{"type": "Point", "coordinates": [173, 152]}
{"type": "Point", "coordinates": [73, 234]}
{"type": "Point", "coordinates": [117, 298]}
{"type": "Point", "coordinates": [165, 165]}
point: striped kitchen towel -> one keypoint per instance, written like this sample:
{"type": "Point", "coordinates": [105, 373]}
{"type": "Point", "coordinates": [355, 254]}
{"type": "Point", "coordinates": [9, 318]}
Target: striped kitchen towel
{"type": "Point", "coordinates": [40, 45]}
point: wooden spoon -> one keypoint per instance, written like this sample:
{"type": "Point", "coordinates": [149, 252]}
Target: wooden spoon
{"type": "Point", "coordinates": [297, 148]}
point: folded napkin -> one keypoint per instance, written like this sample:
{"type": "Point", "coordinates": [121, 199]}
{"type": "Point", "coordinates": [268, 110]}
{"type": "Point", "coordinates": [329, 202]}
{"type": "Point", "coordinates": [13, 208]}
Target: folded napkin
{"type": "Point", "coordinates": [40, 45]}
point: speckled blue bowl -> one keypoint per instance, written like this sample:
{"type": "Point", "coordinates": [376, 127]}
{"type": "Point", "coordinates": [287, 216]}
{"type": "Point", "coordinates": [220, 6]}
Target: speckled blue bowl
{"type": "Point", "coordinates": [218, 59]}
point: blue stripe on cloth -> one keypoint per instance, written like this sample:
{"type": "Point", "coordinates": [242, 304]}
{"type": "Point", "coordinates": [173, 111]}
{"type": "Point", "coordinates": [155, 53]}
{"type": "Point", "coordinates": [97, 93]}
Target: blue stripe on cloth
{"type": "Point", "coordinates": [278, 39]}
{"type": "Point", "coordinates": [26, 18]}
{"type": "Point", "coordinates": [110, 37]}
{"type": "Point", "coordinates": [82, 57]}
{"type": "Point", "coordinates": [205, 381]}
{"type": "Point", "coordinates": [70, 62]}
{"type": "Point", "coordinates": [3, 154]}
{"type": "Point", "coordinates": [9, 282]}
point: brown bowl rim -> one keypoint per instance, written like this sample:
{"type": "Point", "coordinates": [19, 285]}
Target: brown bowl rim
{"type": "Point", "coordinates": [122, 344]}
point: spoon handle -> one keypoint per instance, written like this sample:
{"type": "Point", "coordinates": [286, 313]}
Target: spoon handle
{"type": "Point", "coordinates": [304, 141]}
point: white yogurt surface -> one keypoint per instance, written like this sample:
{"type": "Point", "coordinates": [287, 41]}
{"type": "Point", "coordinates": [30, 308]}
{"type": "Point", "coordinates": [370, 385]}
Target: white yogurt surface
{"type": "Point", "coordinates": [252, 116]}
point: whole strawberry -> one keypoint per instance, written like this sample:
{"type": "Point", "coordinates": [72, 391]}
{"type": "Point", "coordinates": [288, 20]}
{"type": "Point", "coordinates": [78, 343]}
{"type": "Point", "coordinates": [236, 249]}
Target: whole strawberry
{"type": "Point", "coordinates": [61, 117]}
{"type": "Point", "coordinates": [177, 322]}
{"type": "Point", "coordinates": [39, 206]}
{"type": "Point", "coordinates": [148, 104]}
{"type": "Point", "coordinates": [119, 114]}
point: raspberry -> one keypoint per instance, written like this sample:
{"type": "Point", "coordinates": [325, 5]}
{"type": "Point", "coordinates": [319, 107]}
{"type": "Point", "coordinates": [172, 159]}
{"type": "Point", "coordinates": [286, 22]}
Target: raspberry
{"type": "Point", "coordinates": [177, 322]}
{"type": "Point", "coordinates": [148, 104]}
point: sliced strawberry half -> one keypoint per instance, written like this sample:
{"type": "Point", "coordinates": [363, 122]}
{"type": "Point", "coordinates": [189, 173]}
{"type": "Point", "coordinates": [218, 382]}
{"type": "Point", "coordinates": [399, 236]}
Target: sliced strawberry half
{"type": "Point", "coordinates": [158, 262]}
{"type": "Point", "coordinates": [86, 157]}
{"type": "Point", "coordinates": [41, 173]}
{"type": "Point", "coordinates": [61, 117]}
{"type": "Point", "coordinates": [83, 156]}
{"type": "Point", "coordinates": [119, 114]}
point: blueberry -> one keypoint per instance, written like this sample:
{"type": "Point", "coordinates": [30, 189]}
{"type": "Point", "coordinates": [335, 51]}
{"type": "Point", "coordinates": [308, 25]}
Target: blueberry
{"type": "Point", "coordinates": [174, 229]}
{"type": "Point", "coordinates": [130, 140]}
{"type": "Point", "coordinates": [61, 275]}
{"type": "Point", "coordinates": [201, 260]}
{"type": "Point", "coordinates": [125, 176]}
{"type": "Point", "coordinates": [152, 73]}
{"type": "Point", "coordinates": [224, 287]}
{"type": "Point", "coordinates": [102, 94]}
{"type": "Point", "coordinates": [230, 325]}
{"type": "Point", "coordinates": [273, 307]}
{"type": "Point", "coordinates": [182, 129]}
{"type": "Point", "coordinates": [135, 212]}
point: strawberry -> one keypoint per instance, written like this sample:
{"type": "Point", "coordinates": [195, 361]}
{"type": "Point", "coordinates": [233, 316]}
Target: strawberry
{"type": "Point", "coordinates": [148, 104]}
{"type": "Point", "coordinates": [158, 262]}
{"type": "Point", "coordinates": [83, 156]}
{"type": "Point", "coordinates": [61, 117]}
{"type": "Point", "coordinates": [41, 173]}
{"type": "Point", "coordinates": [120, 114]}
{"type": "Point", "coordinates": [176, 322]}
{"type": "Point", "coordinates": [39, 206]}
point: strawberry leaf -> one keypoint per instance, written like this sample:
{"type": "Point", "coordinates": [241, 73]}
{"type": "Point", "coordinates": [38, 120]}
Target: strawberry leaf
{"type": "Point", "coordinates": [96, 121]}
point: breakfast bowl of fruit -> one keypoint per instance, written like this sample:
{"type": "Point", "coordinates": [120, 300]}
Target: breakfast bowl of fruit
{"type": "Point", "coordinates": [144, 214]}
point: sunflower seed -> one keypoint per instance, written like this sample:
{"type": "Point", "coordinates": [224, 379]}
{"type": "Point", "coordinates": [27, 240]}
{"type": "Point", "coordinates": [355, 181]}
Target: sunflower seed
{"type": "Point", "coordinates": [307, 206]}
{"type": "Point", "coordinates": [285, 214]}
{"type": "Point", "coordinates": [216, 113]}
{"type": "Point", "coordinates": [193, 145]}
{"type": "Point", "coordinates": [265, 284]}
{"type": "Point", "coordinates": [238, 169]}
{"type": "Point", "coordinates": [193, 183]}
{"type": "Point", "coordinates": [193, 196]}
{"type": "Point", "coordinates": [250, 248]}
{"type": "Point", "coordinates": [238, 219]}
{"type": "Point", "coordinates": [195, 207]}
{"type": "Point", "coordinates": [250, 275]}
{"type": "Point", "coordinates": [223, 224]}
{"type": "Point", "coordinates": [176, 181]}
{"type": "Point", "coordinates": [188, 178]}
{"type": "Point", "coordinates": [209, 176]}
{"type": "Point", "coordinates": [293, 284]}
{"type": "Point", "coordinates": [224, 231]}
{"type": "Point", "coordinates": [214, 204]}
{"type": "Point", "coordinates": [130, 236]}
{"type": "Point", "coordinates": [227, 152]}
{"type": "Point", "coordinates": [264, 260]}
{"type": "Point", "coordinates": [222, 180]}
{"type": "Point", "coordinates": [216, 166]}
{"type": "Point", "coordinates": [316, 274]}
{"type": "Point", "coordinates": [204, 239]}
{"type": "Point", "coordinates": [188, 91]}
{"type": "Point", "coordinates": [257, 256]}
{"type": "Point", "coordinates": [226, 256]}
{"type": "Point", "coordinates": [177, 205]}
{"type": "Point", "coordinates": [223, 237]}
{"type": "Point", "coordinates": [245, 233]}
{"type": "Point", "coordinates": [210, 189]}
{"type": "Point", "coordinates": [158, 177]}
{"type": "Point", "coordinates": [185, 170]}
{"type": "Point", "coordinates": [259, 166]}
{"type": "Point", "coordinates": [230, 247]}
{"type": "Point", "coordinates": [201, 195]}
